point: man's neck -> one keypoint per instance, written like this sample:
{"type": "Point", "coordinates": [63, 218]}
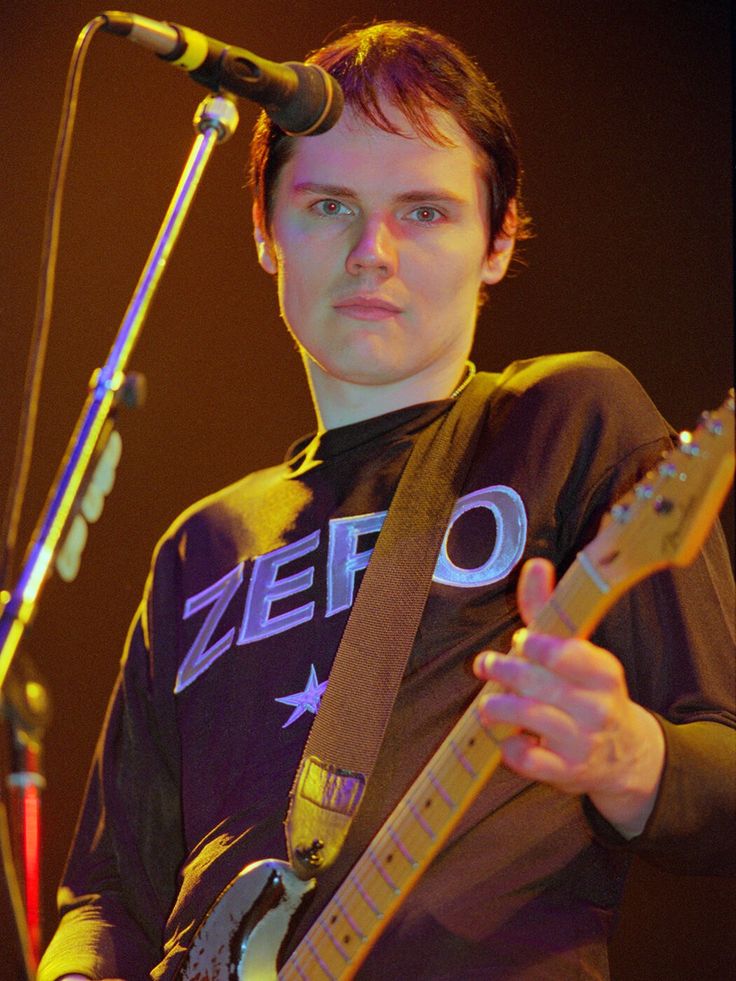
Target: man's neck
{"type": "Point", "coordinates": [340, 403]}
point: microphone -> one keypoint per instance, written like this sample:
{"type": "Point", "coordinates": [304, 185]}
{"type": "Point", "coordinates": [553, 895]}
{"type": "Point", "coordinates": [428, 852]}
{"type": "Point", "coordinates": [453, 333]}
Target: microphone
{"type": "Point", "coordinates": [302, 100]}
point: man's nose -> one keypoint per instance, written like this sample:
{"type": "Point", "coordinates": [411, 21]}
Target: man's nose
{"type": "Point", "coordinates": [374, 251]}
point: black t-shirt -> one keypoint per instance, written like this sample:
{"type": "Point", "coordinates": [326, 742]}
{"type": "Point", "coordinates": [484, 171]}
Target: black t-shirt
{"type": "Point", "coordinates": [249, 595]}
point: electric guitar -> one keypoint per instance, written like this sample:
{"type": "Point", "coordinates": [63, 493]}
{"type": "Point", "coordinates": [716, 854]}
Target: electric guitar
{"type": "Point", "coordinates": [663, 521]}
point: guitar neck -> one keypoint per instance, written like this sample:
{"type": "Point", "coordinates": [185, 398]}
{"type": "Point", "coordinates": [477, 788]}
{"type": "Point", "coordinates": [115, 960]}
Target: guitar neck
{"type": "Point", "coordinates": [341, 937]}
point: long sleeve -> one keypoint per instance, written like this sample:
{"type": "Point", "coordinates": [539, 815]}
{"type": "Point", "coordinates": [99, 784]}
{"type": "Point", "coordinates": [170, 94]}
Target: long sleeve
{"type": "Point", "coordinates": [120, 879]}
{"type": "Point", "coordinates": [681, 666]}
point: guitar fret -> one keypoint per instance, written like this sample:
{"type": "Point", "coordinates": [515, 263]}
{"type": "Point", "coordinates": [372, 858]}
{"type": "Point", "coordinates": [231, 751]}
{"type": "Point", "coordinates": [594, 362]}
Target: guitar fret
{"type": "Point", "coordinates": [441, 790]}
{"type": "Point", "coordinates": [333, 940]}
{"type": "Point", "coordinates": [294, 967]}
{"type": "Point", "coordinates": [318, 959]}
{"type": "Point", "coordinates": [298, 969]}
{"type": "Point", "coordinates": [587, 566]}
{"type": "Point", "coordinates": [402, 848]}
{"type": "Point", "coordinates": [382, 871]}
{"type": "Point", "coordinates": [420, 820]}
{"type": "Point", "coordinates": [481, 729]}
{"type": "Point", "coordinates": [364, 896]}
{"type": "Point", "coordinates": [562, 616]}
{"type": "Point", "coordinates": [349, 920]}
{"type": "Point", "coordinates": [462, 759]}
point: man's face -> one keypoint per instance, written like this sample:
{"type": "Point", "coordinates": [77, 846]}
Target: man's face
{"type": "Point", "coordinates": [380, 244]}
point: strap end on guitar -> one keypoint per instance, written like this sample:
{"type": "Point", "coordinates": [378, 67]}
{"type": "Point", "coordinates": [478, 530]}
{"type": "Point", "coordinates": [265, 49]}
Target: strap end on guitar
{"type": "Point", "coordinates": [324, 800]}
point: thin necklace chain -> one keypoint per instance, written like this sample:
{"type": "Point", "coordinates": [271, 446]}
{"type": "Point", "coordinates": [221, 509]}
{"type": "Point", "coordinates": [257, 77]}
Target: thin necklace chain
{"type": "Point", "coordinates": [470, 372]}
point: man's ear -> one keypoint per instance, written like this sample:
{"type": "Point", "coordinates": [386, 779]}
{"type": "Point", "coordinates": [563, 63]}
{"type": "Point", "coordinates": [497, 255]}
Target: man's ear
{"type": "Point", "coordinates": [498, 261]}
{"type": "Point", "coordinates": [264, 247]}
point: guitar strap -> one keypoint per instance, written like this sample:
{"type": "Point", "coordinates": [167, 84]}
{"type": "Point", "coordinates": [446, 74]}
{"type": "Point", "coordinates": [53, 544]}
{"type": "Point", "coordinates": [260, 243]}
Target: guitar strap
{"type": "Point", "coordinates": [347, 732]}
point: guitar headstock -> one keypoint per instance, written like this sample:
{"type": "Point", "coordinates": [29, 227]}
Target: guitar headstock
{"type": "Point", "coordinates": [667, 516]}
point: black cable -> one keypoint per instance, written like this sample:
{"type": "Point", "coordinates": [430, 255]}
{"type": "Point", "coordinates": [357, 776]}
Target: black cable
{"type": "Point", "coordinates": [44, 303]}
{"type": "Point", "coordinates": [29, 411]}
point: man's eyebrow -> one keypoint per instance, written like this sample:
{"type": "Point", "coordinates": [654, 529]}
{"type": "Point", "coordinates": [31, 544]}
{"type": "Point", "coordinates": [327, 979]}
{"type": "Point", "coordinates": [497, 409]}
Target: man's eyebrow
{"type": "Point", "coordinates": [438, 194]}
{"type": "Point", "coordinates": [330, 190]}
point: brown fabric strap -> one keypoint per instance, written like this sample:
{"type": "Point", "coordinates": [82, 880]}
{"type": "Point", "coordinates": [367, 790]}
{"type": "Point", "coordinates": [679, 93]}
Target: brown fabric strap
{"type": "Point", "coordinates": [347, 732]}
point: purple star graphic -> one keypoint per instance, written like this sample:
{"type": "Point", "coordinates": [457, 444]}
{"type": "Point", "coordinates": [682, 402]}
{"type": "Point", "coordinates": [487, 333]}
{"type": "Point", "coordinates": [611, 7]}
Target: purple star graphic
{"type": "Point", "coordinates": [304, 701]}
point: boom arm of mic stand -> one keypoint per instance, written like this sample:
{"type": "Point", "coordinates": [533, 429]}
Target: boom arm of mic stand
{"type": "Point", "coordinates": [216, 120]}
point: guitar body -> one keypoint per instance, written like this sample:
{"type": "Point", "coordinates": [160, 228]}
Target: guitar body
{"type": "Point", "coordinates": [241, 938]}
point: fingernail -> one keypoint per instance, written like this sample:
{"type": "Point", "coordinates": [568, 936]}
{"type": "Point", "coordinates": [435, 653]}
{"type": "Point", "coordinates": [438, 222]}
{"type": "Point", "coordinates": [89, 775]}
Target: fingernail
{"type": "Point", "coordinates": [518, 640]}
{"type": "Point", "coordinates": [484, 662]}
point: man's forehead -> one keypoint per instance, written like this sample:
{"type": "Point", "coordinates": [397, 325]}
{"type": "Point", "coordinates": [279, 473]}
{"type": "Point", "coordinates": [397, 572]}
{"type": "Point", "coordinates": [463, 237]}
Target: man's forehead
{"type": "Point", "coordinates": [433, 117]}
{"type": "Point", "coordinates": [356, 146]}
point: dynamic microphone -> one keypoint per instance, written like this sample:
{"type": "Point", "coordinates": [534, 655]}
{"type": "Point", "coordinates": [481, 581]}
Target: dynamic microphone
{"type": "Point", "coordinates": [302, 100]}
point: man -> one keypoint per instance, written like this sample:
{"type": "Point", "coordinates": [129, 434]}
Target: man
{"type": "Point", "coordinates": [382, 234]}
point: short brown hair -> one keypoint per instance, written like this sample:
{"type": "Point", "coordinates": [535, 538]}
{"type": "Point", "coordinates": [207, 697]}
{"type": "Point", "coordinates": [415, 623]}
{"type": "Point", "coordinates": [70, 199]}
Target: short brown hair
{"type": "Point", "coordinates": [416, 70]}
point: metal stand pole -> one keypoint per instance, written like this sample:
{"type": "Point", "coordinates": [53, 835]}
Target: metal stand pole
{"type": "Point", "coordinates": [216, 120]}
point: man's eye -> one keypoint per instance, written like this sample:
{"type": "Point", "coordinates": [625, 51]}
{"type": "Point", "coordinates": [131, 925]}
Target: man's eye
{"type": "Point", "coordinates": [426, 214]}
{"type": "Point", "coordinates": [329, 207]}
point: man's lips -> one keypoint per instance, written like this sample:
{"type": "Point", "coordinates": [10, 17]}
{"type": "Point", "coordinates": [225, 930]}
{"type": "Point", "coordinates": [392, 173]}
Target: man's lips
{"type": "Point", "coordinates": [366, 307]}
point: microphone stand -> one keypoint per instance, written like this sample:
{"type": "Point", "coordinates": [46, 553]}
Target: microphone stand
{"type": "Point", "coordinates": [216, 120]}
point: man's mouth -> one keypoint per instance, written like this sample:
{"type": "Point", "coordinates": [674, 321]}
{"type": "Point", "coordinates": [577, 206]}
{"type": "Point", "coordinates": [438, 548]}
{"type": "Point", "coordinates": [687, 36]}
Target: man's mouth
{"type": "Point", "coordinates": [366, 307]}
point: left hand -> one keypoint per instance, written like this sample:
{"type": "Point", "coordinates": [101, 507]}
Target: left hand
{"type": "Point", "coordinates": [574, 724]}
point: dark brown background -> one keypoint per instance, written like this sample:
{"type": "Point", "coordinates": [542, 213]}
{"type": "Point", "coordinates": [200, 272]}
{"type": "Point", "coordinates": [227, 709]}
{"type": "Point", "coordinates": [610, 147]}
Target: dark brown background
{"type": "Point", "coordinates": [624, 115]}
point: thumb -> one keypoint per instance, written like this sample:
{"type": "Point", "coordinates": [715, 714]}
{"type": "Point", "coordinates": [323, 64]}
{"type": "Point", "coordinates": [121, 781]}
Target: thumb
{"type": "Point", "coordinates": [536, 582]}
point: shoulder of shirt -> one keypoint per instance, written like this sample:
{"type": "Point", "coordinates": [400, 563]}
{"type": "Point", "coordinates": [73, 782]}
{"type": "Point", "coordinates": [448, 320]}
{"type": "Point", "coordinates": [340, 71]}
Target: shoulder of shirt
{"type": "Point", "coordinates": [581, 381]}
{"type": "Point", "coordinates": [578, 398]}
{"type": "Point", "coordinates": [561, 369]}
{"type": "Point", "coordinates": [223, 503]}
